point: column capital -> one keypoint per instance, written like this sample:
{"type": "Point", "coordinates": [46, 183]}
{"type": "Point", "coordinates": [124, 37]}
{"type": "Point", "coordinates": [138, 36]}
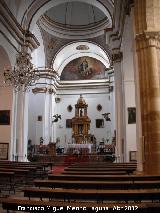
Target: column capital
{"type": "Point", "coordinates": [148, 39]}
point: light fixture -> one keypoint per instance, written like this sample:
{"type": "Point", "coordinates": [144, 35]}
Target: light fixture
{"type": "Point", "coordinates": [56, 118]}
{"type": "Point", "coordinates": [23, 74]}
{"type": "Point", "coordinates": [106, 116]}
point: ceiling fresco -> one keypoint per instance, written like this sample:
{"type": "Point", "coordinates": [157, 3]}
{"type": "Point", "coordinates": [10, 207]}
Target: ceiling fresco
{"type": "Point", "coordinates": [83, 68]}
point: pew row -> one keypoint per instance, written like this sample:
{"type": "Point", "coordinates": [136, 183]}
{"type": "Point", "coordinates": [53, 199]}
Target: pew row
{"type": "Point", "coordinates": [59, 206]}
{"type": "Point", "coordinates": [104, 177]}
{"type": "Point", "coordinates": [94, 172]}
{"type": "Point", "coordinates": [136, 195]}
{"type": "Point", "coordinates": [72, 184]}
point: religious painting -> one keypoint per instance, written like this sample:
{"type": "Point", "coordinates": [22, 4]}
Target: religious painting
{"type": "Point", "coordinates": [4, 117]}
{"type": "Point", "coordinates": [99, 107]}
{"type": "Point", "coordinates": [131, 115]}
{"type": "Point", "coordinates": [83, 68]}
{"type": "Point", "coordinates": [39, 118]}
{"type": "Point", "coordinates": [99, 123]}
{"type": "Point", "coordinates": [133, 156]}
{"type": "Point", "coordinates": [4, 151]}
{"type": "Point", "coordinates": [68, 123]}
{"type": "Point", "coordinates": [69, 108]}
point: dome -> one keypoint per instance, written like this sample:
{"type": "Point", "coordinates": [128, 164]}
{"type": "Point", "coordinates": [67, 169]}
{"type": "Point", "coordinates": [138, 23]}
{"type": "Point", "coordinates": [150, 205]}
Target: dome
{"type": "Point", "coordinates": [76, 15]}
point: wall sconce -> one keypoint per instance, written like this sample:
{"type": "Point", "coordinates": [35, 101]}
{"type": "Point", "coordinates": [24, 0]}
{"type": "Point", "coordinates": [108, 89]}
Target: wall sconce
{"type": "Point", "coordinates": [56, 118]}
{"type": "Point", "coordinates": [106, 116]}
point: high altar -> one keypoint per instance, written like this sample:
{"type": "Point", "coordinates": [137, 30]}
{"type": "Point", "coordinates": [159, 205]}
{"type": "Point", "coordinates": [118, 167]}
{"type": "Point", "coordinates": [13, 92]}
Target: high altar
{"type": "Point", "coordinates": [80, 127]}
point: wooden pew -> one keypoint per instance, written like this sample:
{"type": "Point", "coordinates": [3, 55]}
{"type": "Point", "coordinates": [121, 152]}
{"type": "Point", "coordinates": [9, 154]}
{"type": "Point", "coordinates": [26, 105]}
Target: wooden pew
{"type": "Point", "coordinates": [127, 170]}
{"type": "Point", "coordinates": [21, 175]}
{"type": "Point", "coordinates": [7, 179]}
{"type": "Point", "coordinates": [79, 184]}
{"type": "Point", "coordinates": [35, 169]}
{"type": "Point", "coordinates": [70, 184]}
{"type": "Point", "coordinates": [104, 177]}
{"type": "Point", "coordinates": [100, 169]}
{"type": "Point", "coordinates": [39, 165]}
{"type": "Point", "coordinates": [94, 172]}
{"type": "Point", "coordinates": [102, 164]}
{"type": "Point", "coordinates": [24, 205]}
{"type": "Point", "coordinates": [94, 194]}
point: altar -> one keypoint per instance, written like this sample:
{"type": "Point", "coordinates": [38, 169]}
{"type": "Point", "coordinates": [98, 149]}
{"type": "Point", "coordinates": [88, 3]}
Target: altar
{"type": "Point", "coordinates": [79, 148]}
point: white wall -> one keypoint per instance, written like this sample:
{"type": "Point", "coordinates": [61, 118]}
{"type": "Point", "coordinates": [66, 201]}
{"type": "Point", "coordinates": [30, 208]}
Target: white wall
{"type": "Point", "coordinates": [65, 134]}
{"type": "Point", "coordinates": [129, 84]}
{"type": "Point", "coordinates": [36, 107]}
{"type": "Point", "coordinates": [59, 130]}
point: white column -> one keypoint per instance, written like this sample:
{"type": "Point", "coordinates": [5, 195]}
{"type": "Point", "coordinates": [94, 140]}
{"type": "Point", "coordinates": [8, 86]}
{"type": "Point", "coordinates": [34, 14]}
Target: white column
{"type": "Point", "coordinates": [53, 132]}
{"type": "Point", "coordinates": [47, 119]}
{"type": "Point", "coordinates": [13, 128]}
{"type": "Point", "coordinates": [48, 126]}
{"type": "Point", "coordinates": [120, 149]}
{"type": "Point", "coordinates": [22, 126]}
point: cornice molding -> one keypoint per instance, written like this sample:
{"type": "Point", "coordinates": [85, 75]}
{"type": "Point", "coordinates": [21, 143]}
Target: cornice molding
{"type": "Point", "coordinates": [68, 33]}
{"type": "Point", "coordinates": [43, 90]}
{"type": "Point", "coordinates": [122, 8]}
{"type": "Point", "coordinates": [14, 28]}
{"type": "Point", "coordinates": [117, 56]}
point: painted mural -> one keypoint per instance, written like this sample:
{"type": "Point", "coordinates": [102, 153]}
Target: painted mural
{"type": "Point", "coordinates": [83, 68]}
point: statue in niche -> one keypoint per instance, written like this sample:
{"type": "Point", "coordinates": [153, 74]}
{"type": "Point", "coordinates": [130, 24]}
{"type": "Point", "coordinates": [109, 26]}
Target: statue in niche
{"type": "Point", "coordinates": [81, 112]}
{"type": "Point", "coordinates": [80, 129]}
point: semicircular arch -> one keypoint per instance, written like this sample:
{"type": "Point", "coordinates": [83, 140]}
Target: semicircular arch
{"type": "Point", "coordinates": [69, 53]}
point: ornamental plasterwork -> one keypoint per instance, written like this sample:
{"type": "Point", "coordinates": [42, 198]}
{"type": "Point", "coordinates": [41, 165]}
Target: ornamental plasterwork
{"type": "Point", "coordinates": [148, 39]}
{"type": "Point", "coordinates": [53, 44]}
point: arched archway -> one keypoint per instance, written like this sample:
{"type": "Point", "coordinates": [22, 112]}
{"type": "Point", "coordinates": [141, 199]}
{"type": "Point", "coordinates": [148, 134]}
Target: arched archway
{"type": "Point", "coordinates": [70, 52]}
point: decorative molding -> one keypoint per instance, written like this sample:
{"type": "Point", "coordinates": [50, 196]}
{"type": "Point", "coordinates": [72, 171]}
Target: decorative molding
{"type": "Point", "coordinates": [99, 107]}
{"type": "Point", "coordinates": [54, 44]}
{"type": "Point", "coordinates": [14, 28]}
{"type": "Point", "coordinates": [57, 99]}
{"type": "Point", "coordinates": [69, 108]}
{"type": "Point", "coordinates": [147, 39]}
{"type": "Point", "coordinates": [39, 90]}
{"type": "Point", "coordinates": [82, 47]}
{"type": "Point", "coordinates": [76, 33]}
{"type": "Point", "coordinates": [117, 57]}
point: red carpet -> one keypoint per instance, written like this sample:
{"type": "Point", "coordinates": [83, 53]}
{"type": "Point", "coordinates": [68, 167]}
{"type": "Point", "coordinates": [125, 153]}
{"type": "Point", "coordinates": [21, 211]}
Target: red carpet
{"type": "Point", "coordinates": [57, 170]}
{"type": "Point", "coordinates": [68, 161]}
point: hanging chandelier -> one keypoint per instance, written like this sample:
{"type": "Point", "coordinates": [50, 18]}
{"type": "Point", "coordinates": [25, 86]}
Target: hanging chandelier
{"type": "Point", "coordinates": [23, 74]}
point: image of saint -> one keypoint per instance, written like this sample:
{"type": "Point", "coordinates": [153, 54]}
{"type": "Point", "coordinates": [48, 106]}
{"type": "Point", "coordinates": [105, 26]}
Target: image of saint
{"type": "Point", "coordinates": [84, 68]}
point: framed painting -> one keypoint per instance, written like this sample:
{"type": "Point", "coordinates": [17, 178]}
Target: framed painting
{"type": "Point", "coordinates": [69, 108]}
{"type": "Point", "coordinates": [99, 123]}
{"type": "Point", "coordinates": [68, 123]}
{"type": "Point", "coordinates": [131, 115]}
{"type": "Point", "coordinates": [39, 118]}
{"type": "Point", "coordinates": [4, 151]}
{"type": "Point", "coordinates": [133, 156]}
{"type": "Point", "coordinates": [4, 117]}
